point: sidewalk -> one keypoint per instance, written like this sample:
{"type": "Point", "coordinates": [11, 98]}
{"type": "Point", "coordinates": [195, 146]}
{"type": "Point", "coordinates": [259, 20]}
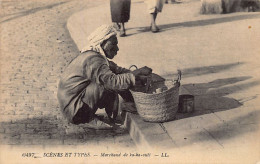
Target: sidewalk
{"type": "Point", "coordinates": [219, 58]}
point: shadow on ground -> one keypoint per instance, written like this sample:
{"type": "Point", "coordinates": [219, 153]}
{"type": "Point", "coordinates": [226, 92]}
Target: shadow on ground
{"type": "Point", "coordinates": [211, 97]}
{"type": "Point", "coordinates": [233, 128]}
{"type": "Point", "coordinates": [236, 126]}
{"type": "Point", "coordinates": [197, 23]}
{"type": "Point", "coordinates": [50, 131]}
{"type": "Point", "coordinates": [197, 71]}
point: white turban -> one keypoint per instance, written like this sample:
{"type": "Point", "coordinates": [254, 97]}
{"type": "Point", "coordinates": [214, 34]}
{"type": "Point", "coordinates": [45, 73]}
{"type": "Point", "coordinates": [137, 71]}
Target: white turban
{"type": "Point", "coordinates": [96, 38]}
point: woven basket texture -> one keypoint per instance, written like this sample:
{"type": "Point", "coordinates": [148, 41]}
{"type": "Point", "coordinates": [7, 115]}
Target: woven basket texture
{"type": "Point", "coordinates": [157, 107]}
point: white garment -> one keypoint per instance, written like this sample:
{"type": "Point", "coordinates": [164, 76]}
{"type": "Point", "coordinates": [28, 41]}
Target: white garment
{"type": "Point", "coordinates": [96, 38]}
{"type": "Point", "coordinates": [154, 5]}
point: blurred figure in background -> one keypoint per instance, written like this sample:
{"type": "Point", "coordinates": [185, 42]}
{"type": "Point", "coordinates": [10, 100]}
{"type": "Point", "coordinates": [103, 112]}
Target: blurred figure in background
{"type": "Point", "coordinates": [154, 6]}
{"type": "Point", "coordinates": [120, 13]}
{"type": "Point", "coordinates": [172, 1]}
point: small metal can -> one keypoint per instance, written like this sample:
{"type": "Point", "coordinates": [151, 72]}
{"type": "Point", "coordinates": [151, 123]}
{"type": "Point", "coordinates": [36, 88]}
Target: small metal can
{"type": "Point", "coordinates": [186, 103]}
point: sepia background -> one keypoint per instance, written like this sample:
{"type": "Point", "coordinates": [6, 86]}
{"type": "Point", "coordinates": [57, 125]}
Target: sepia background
{"type": "Point", "coordinates": [217, 53]}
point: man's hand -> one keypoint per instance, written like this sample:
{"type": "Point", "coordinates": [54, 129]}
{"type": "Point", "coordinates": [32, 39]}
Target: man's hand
{"type": "Point", "coordinates": [142, 78]}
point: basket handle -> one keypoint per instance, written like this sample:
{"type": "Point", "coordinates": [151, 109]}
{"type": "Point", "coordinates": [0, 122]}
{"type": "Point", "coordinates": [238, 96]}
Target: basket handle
{"type": "Point", "coordinates": [148, 82]}
{"type": "Point", "coordinates": [179, 75]}
{"type": "Point", "coordinates": [133, 66]}
{"type": "Point", "coordinates": [178, 80]}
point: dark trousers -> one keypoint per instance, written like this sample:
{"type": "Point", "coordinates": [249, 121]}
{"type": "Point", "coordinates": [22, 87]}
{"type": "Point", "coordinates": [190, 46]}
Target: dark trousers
{"type": "Point", "coordinates": [109, 101]}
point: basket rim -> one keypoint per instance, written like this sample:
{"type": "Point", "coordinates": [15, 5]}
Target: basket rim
{"type": "Point", "coordinates": [174, 87]}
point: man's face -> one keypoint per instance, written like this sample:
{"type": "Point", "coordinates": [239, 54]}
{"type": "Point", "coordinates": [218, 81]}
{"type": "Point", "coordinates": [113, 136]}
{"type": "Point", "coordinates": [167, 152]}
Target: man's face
{"type": "Point", "coordinates": [110, 47]}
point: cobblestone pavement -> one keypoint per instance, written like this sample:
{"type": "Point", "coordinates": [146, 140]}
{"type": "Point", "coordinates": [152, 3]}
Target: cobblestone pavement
{"type": "Point", "coordinates": [35, 47]}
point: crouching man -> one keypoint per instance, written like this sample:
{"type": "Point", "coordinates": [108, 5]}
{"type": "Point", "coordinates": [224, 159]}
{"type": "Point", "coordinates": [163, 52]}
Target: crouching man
{"type": "Point", "coordinates": [91, 81]}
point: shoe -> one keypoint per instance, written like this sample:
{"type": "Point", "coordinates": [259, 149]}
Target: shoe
{"type": "Point", "coordinates": [97, 124]}
{"type": "Point", "coordinates": [155, 29]}
{"type": "Point", "coordinates": [122, 33]}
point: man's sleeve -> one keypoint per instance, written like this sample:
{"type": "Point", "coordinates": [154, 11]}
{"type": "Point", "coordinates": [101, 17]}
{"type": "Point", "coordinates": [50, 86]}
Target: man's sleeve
{"type": "Point", "coordinates": [112, 81]}
{"type": "Point", "coordinates": [116, 69]}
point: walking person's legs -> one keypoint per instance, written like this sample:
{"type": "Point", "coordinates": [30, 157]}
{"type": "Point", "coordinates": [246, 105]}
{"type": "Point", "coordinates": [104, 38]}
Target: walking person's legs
{"type": "Point", "coordinates": [154, 7]}
{"type": "Point", "coordinates": [122, 30]}
{"type": "Point", "coordinates": [153, 16]}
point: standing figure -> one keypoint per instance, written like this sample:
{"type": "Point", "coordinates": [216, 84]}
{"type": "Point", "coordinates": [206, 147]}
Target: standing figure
{"type": "Point", "coordinates": [154, 6]}
{"type": "Point", "coordinates": [120, 13]}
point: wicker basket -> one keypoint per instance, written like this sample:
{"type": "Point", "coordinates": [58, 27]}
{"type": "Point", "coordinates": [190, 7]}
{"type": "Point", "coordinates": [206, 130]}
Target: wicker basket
{"type": "Point", "coordinates": [157, 107]}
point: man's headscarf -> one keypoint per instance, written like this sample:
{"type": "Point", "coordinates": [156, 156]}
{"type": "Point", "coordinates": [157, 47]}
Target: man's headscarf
{"type": "Point", "coordinates": [96, 38]}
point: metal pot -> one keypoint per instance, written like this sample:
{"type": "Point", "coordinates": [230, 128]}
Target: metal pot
{"type": "Point", "coordinates": [186, 103]}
